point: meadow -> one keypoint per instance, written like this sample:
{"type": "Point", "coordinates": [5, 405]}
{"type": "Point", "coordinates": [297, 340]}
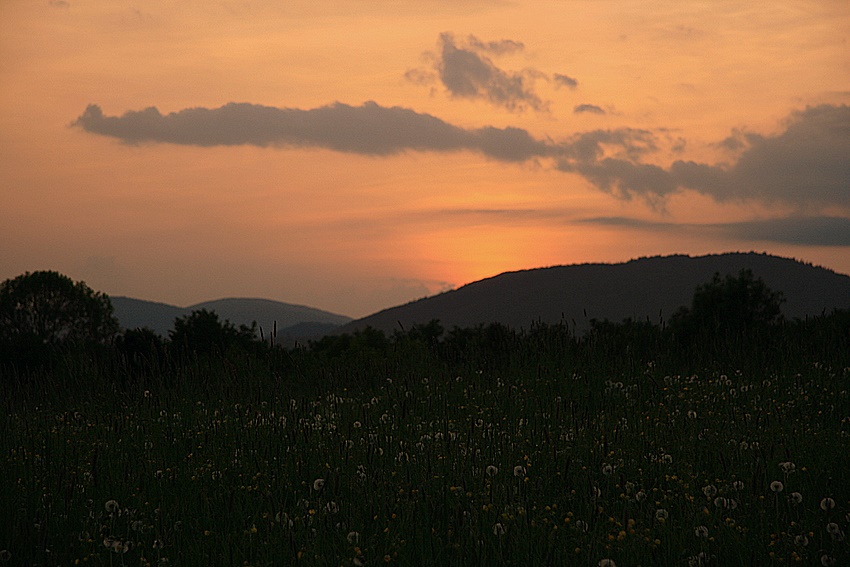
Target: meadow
{"type": "Point", "coordinates": [509, 448]}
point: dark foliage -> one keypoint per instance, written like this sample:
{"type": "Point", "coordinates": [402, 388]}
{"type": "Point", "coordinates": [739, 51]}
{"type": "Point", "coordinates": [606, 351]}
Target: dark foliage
{"type": "Point", "coordinates": [202, 332]}
{"type": "Point", "coordinates": [42, 312]}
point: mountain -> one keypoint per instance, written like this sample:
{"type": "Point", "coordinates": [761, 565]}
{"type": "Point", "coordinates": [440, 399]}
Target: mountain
{"type": "Point", "coordinates": [293, 321]}
{"type": "Point", "coordinates": [643, 289]}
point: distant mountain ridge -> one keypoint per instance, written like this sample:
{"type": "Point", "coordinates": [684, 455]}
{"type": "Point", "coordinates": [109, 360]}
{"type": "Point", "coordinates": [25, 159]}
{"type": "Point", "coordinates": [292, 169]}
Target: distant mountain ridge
{"type": "Point", "coordinates": [293, 321]}
{"type": "Point", "coordinates": [650, 288]}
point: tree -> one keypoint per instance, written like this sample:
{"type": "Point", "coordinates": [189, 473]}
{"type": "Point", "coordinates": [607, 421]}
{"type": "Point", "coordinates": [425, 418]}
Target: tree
{"type": "Point", "coordinates": [201, 331]}
{"type": "Point", "coordinates": [51, 309]}
{"type": "Point", "coordinates": [142, 349]}
{"type": "Point", "coordinates": [730, 306]}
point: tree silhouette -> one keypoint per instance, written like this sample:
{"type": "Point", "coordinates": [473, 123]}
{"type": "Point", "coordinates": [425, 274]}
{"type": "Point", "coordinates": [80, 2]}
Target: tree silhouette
{"type": "Point", "coordinates": [734, 305]}
{"type": "Point", "coordinates": [41, 311]}
{"type": "Point", "coordinates": [201, 331]}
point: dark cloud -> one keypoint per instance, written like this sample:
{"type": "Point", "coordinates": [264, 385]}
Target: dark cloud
{"type": "Point", "coordinates": [804, 231]}
{"type": "Point", "coordinates": [806, 165]}
{"type": "Point", "coordinates": [797, 230]}
{"type": "Point", "coordinates": [465, 68]}
{"type": "Point", "coordinates": [467, 72]}
{"type": "Point", "coordinates": [495, 47]}
{"type": "Point", "coordinates": [591, 108]}
{"type": "Point", "coordinates": [368, 129]}
{"type": "Point", "coordinates": [564, 81]}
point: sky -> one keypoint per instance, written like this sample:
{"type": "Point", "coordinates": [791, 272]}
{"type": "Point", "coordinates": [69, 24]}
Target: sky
{"type": "Point", "coordinates": [355, 155]}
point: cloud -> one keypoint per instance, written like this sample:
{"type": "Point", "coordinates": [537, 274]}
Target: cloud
{"type": "Point", "coordinates": [797, 230]}
{"type": "Point", "coordinates": [591, 108]}
{"type": "Point", "coordinates": [564, 81]}
{"type": "Point", "coordinates": [806, 165]}
{"type": "Point", "coordinates": [465, 69]}
{"type": "Point", "coordinates": [804, 231]}
{"type": "Point", "coordinates": [466, 72]}
{"type": "Point", "coordinates": [368, 129]}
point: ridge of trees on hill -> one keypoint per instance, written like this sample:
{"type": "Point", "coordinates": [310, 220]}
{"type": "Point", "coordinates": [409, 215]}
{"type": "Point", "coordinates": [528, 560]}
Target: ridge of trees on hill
{"type": "Point", "coordinates": [47, 320]}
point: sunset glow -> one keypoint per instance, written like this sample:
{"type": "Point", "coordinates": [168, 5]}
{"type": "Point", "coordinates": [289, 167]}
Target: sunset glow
{"type": "Point", "coordinates": [352, 156]}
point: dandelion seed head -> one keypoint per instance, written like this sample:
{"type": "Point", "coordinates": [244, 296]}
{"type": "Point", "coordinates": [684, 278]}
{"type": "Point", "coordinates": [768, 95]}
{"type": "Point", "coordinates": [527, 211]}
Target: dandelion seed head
{"type": "Point", "coordinates": [777, 486]}
{"type": "Point", "coordinates": [112, 507]}
{"type": "Point", "coordinates": [519, 471]}
{"type": "Point", "coordinates": [607, 563]}
{"type": "Point", "coordinates": [499, 529]}
{"type": "Point", "coordinates": [661, 515]}
{"type": "Point", "coordinates": [492, 470]}
{"type": "Point", "coordinates": [795, 498]}
{"type": "Point", "coordinates": [701, 531]}
{"type": "Point", "coordinates": [827, 504]}
{"type": "Point", "coordinates": [318, 484]}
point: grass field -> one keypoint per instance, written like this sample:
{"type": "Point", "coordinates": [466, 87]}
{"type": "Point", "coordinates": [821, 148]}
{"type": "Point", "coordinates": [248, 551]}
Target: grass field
{"type": "Point", "coordinates": [537, 461]}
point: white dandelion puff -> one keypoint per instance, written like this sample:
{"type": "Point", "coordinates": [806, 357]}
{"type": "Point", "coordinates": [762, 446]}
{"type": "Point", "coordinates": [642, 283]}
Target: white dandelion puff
{"type": "Point", "coordinates": [701, 531]}
{"type": "Point", "coordinates": [499, 529]}
{"type": "Point", "coordinates": [112, 507]}
{"type": "Point", "coordinates": [353, 538]}
{"type": "Point", "coordinates": [519, 471]}
{"type": "Point", "coordinates": [607, 563]}
{"type": "Point", "coordinates": [777, 486]}
{"type": "Point", "coordinates": [795, 498]}
{"type": "Point", "coordinates": [827, 504]}
{"type": "Point", "coordinates": [318, 484]}
{"type": "Point", "coordinates": [661, 515]}
{"type": "Point", "coordinates": [492, 470]}
{"type": "Point", "coordinates": [801, 540]}
{"type": "Point", "coordinates": [709, 491]}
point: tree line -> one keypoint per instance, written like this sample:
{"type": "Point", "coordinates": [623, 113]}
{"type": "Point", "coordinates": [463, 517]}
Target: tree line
{"type": "Point", "coordinates": [46, 317]}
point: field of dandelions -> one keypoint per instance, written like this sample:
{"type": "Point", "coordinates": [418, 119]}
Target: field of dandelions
{"type": "Point", "coordinates": [536, 462]}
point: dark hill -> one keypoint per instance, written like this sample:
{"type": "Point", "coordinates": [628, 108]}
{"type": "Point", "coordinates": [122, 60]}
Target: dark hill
{"type": "Point", "coordinates": [643, 289]}
{"type": "Point", "coordinates": [293, 321]}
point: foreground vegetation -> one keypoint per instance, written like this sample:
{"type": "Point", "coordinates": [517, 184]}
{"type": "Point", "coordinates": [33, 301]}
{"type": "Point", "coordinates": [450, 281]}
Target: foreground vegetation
{"type": "Point", "coordinates": [632, 445]}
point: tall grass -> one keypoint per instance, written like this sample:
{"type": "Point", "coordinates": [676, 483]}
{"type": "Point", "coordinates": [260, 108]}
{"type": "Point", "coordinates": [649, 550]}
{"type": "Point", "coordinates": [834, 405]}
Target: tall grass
{"type": "Point", "coordinates": [502, 448]}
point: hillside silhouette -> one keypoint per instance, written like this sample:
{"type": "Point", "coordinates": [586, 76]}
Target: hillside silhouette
{"type": "Point", "coordinates": [293, 321]}
{"type": "Point", "coordinates": [645, 289]}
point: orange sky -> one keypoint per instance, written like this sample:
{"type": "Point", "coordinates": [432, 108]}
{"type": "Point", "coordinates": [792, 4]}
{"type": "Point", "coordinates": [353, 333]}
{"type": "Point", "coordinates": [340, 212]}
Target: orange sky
{"type": "Point", "coordinates": [470, 138]}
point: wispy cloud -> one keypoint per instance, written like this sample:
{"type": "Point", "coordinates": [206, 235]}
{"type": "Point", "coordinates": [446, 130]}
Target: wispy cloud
{"type": "Point", "coordinates": [798, 230]}
{"type": "Point", "coordinates": [806, 165]}
{"type": "Point", "coordinates": [368, 129]}
{"type": "Point", "coordinates": [465, 68]}
{"type": "Point", "coordinates": [589, 108]}
{"type": "Point", "coordinates": [564, 81]}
